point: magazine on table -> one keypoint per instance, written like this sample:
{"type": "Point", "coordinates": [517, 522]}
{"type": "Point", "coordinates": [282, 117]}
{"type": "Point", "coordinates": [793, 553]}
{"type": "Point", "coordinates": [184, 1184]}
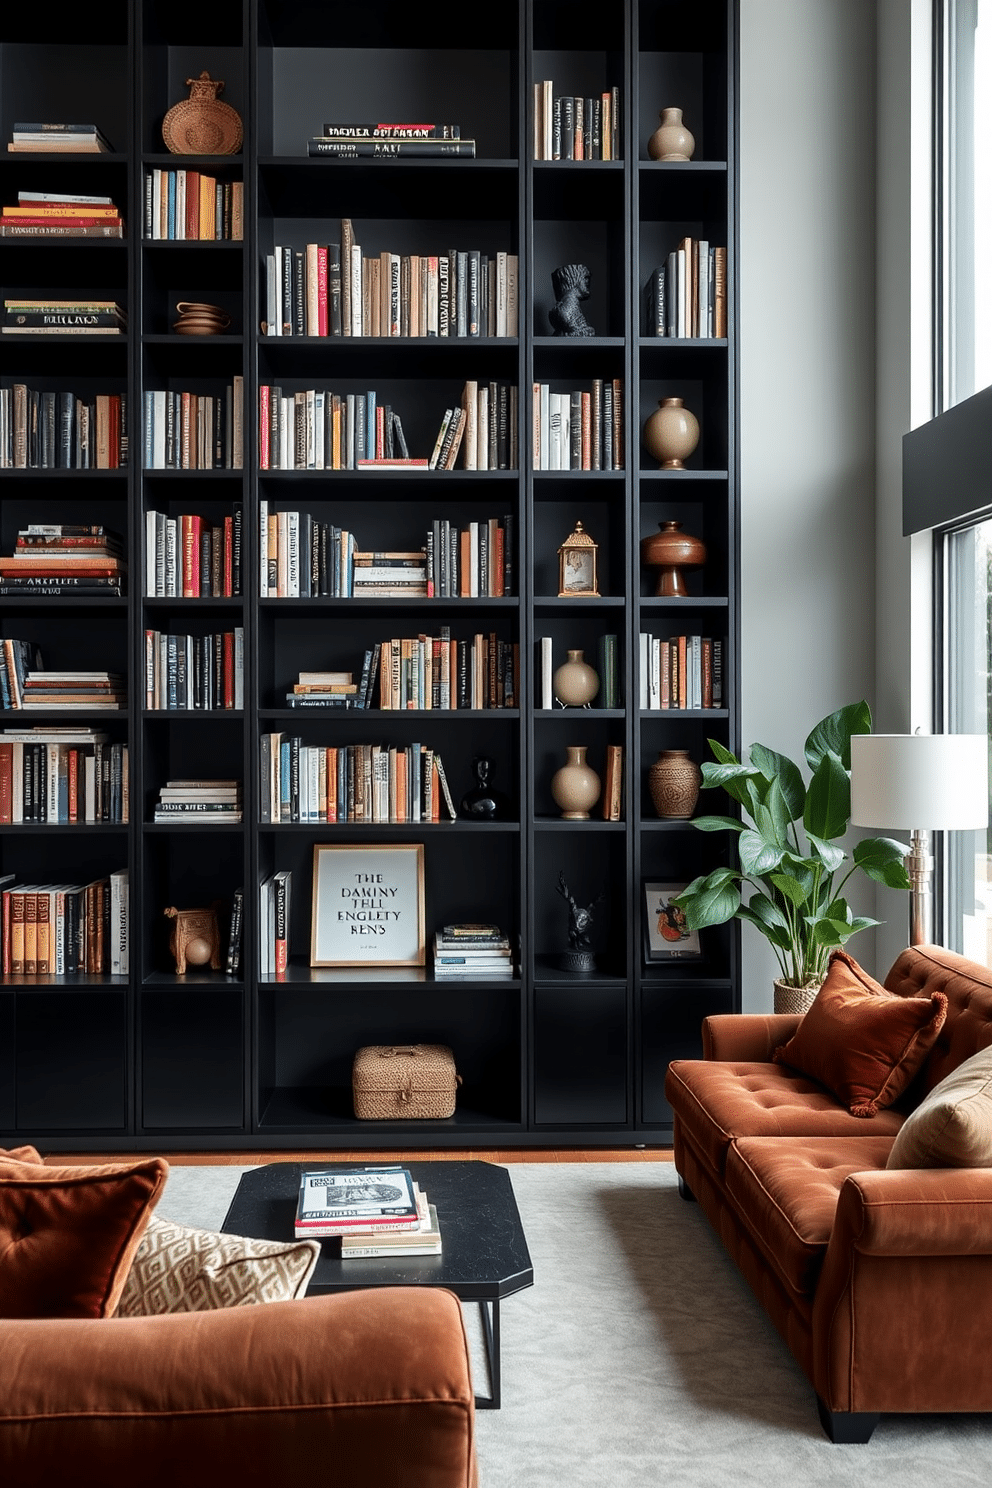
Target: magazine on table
{"type": "Point", "coordinates": [333, 1201]}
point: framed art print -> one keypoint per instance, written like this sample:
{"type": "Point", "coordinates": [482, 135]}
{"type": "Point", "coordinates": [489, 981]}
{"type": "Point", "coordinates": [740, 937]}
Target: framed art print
{"type": "Point", "coordinates": [368, 905]}
{"type": "Point", "coordinates": [666, 935]}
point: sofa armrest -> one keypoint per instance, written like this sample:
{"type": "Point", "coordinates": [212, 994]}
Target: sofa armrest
{"type": "Point", "coordinates": [747, 1037]}
{"type": "Point", "coordinates": [364, 1388]}
{"type": "Point", "coordinates": [917, 1212]}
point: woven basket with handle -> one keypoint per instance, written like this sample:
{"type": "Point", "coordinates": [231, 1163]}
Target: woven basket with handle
{"type": "Point", "coordinates": [404, 1082]}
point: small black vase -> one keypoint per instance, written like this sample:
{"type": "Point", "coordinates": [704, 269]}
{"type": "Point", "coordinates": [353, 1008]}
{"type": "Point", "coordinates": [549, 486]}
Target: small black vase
{"type": "Point", "coordinates": [482, 803]}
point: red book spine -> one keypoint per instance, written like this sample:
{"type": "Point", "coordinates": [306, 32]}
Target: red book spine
{"type": "Point", "coordinates": [321, 291]}
{"type": "Point", "coordinates": [114, 436]}
{"type": "Point", "coordinates": [5, 954]}
{"type": "Point", "coordinates": [228, 585]}
{"type": "Point", "coordinates": [228, 674]}
{"type": "Point", "coordinates": [497, 563]}
{"type": "Point", "coordinates": [6, 782]}
{"type": "Point", "coordinates": [380, 432]}
{"type": "Point", "coordinates": [263, 427]}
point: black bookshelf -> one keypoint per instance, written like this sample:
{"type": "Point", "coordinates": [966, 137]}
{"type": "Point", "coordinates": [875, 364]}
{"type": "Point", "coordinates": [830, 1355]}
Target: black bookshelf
{"type": "Point", "coordinates": [209, 1060]}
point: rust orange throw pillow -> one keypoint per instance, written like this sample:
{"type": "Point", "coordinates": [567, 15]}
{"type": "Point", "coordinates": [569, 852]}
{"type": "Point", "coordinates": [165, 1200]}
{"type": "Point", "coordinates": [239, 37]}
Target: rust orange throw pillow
{"type": "Point", "coordinates": [862, 1042]}
{"type": "Point", "coordinates": [68, 1235]}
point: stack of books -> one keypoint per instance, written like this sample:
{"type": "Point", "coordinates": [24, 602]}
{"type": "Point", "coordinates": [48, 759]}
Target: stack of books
{"type": "Point", "coordinates": [61, 777]}
{"type": "Point", "coordinates": [98, 692]}
{"type": "Point", "coordinates": [480, 953]}
{"type": "Point", "coordinates": [364, 783]}
{"type": "Point", "coordinates": [50, 561]}
{"type": "Point", "coordinates": [390, 575]}
{"type": "Point", "coordinates": [186, 206]}
{"type": "Point", "coordinates": [194, 431]}
{"type": "Point", "coordinates": [574, 128]}
{"type": "Point", "coordinates": [579, 430]}
{"type": "Point", "coordinates": [681, 672]}
{"type": "Point", "coordinates": [50, 215]}
{"type": "Point", "coordinates": [55, 317]}
{"type": "Point", "coordinates": [64, 139]}
{"type": "Point", "coordinates": [473, 562]}
{"type": "Point", "coordinates": [326, 690]}
{"type": "Point", "coordinates": [375, 1212]}
{"type": "Point", "coordinates": [58, 929]}
{"type": "Point", "coordinates": [319, 429]}
{"type": "Point", "coordinates": [213, 801]}
{"type": "Point", "coordinates": [688, 292]}
{"type": "Point", "coordinates": [391, 142]}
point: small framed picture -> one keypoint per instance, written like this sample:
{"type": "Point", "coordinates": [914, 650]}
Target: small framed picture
{"type": "Point", "coordinates": [666, 935]}
{"type": "Point", "coordinates": [368, 905]}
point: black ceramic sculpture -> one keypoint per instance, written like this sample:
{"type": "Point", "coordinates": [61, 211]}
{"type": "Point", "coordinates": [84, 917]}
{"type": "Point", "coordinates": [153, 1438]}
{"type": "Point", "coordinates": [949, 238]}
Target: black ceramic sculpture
{"type": "Point", "coordinates": [580, 956]}
{"type": "Point", "coordinates": [482, 803]}
{"type": "Point", "coordinates": [571, 285]}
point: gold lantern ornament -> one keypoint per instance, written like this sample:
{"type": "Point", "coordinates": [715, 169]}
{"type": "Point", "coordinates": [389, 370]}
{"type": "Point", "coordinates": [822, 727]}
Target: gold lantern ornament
{"type": "Point", "coordinates": [577, 565]}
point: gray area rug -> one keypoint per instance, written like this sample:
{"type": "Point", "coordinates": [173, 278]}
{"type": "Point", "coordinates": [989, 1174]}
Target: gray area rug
{"type": "Point", "coordinates": [640, 1358]}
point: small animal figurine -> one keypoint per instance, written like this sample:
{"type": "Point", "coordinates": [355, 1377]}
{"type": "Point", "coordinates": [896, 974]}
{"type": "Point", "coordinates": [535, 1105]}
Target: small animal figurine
{"type": "Point", "coordinates": [579, 956]}
{"type": "Point", "coordinates": [571, 285]}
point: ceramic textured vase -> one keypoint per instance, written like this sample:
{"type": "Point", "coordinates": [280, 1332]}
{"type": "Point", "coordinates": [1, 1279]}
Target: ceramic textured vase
{"type": "Point", "coordinates": [575, 683]}
{"type": "Point", "coordinates": [575, 787]}
{"type": "Point", "coordinates": [671, 433]}
{"type": "Point", "coordinates": [671, 140]}
{"type": "Point", "coordinates": [674, 780]}
{"type": "Point", "coordinates": [671, 551]}
{"type": "Point", "coordinates": [201, 124]}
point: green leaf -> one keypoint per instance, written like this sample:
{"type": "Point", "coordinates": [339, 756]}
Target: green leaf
{"type": "Point", "coordinates": [758, 856]}
{"type": "Point", "coordinates": [767, 910]}
{"type": "Point", "coordinates": [775, 934]}
{"type": "Point", "coordinates": [830, 854]}
{"type": "Point", "coordinates": [803, 870]}
{"type": "Point", "coordinates": [839, 910]}
{"type": "Point", "coordinates": [830, 932]}
{"type": "Point", "coordinates": [790, 888]}
{"type": "Point", "coordinates": [721, 754]}
{"type": "Point", "coordinates": [828, 800]}
{"type": "Point", "coordinates": [733, 778]}
{"type": "Point", "coordinates": [862, 922]}
{"type": "Point", "coordinates": [881, 858]}
{"type": "Point", "coordinates": [711, 900]}
{"type": "Point", "coordinates": [717, 824]}
{"type": "Point", "coordinates": [772, 817]}
{"type": "Point", "coordinates": [780, 767]}
{"type": "Point", "coordinates": [832, 735]}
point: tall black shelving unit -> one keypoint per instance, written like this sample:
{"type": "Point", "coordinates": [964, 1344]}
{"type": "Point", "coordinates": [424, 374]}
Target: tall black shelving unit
{"type": "Point", "coordinates": [210, 1061]}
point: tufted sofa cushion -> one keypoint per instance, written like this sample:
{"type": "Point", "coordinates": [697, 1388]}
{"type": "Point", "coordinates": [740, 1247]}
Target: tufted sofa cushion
{"type": "Point", "coordinates": [718, 1100]}
{"type": "Point", "coordinates": [923, 970]}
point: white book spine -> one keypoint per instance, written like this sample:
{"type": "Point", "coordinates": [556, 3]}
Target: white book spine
{"type": "Point", "coordinates": [547, 695]}
{"type": "Point", "coordinates": [150, 589]}
{"type": "Point", "coordinates": [545, 421]}
{"type": "Point", "coordinates": [171, 558]}
{"type": "Point", "coordinates": [263, 548]}
{"type": "Point", "coordinates": [275, 325]}
{"type": "Point", "coordinates": [642, 696]}
{"type": "Point", "coordinates": [293, 555]}
{"type": "Point", "coordinates": [703, 328]}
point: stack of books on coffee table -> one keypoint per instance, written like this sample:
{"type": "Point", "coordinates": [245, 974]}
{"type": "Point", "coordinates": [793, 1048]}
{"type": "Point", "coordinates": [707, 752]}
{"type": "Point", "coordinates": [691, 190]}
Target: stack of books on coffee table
{"type": "Point", "coordinates": [374, 1211]}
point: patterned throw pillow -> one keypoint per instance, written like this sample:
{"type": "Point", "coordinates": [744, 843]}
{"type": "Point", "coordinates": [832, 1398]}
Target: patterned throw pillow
{"type": "Point", "coordinates": [179, 1269]}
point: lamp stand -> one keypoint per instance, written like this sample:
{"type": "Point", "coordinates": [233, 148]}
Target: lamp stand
{"type": "Point", "coordinates": [919, 866]}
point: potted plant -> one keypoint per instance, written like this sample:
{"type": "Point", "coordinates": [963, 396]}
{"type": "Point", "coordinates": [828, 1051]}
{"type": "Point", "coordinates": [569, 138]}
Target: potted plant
{"type": "Point", "coordinates": [790, 854]}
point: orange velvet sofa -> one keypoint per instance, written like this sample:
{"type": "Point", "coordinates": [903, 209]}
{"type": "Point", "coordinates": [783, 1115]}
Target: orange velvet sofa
{"type": "Point", "coordinates": [362, 1388]}
{"type": "Point", "coordinates": [879, 1280]}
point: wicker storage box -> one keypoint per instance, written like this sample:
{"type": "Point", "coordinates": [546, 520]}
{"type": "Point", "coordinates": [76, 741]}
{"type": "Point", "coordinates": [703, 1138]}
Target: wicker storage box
{"type": "Point", "coordinates": [403, 1082]}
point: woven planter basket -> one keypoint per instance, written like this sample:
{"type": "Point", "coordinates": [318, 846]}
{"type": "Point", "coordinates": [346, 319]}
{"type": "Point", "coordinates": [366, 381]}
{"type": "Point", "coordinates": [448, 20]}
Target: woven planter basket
{"type": "Point", "coordinates": [402, 1082]}
{"type": "Point", "coordinates": [794, 999]}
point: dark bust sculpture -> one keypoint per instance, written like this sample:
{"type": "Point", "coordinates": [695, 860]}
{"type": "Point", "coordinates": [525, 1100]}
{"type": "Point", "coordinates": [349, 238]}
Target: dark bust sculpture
{"type": "Point", "coordinates": [483, 803]}
{"type": "Point", "coordinates": [571, 285]}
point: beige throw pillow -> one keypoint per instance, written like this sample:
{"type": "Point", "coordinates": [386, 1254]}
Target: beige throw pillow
{"type": "Point", "coordinates": [952, 1127]}
{"type": "Point", "coordinates": [179, 1269]}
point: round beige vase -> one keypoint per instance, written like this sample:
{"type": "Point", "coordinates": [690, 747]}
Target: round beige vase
{"type": "Point", "coordinates": [671, 140]}
{"type": "Point", "coordinates": [575, 787]}
{"type": "Point", "coordinates": [575, 683]}
{"type": "Point", "coordinates": [794, 999]}
{"type": "Point", "coordinates": [674, 780]}
{"type": "Point", "coordinates": [671, 433]}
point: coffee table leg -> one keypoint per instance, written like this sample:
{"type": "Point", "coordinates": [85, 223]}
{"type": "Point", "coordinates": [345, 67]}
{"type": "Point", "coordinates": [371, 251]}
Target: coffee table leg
{"type": "Point", "coordinates": [489, 1312]}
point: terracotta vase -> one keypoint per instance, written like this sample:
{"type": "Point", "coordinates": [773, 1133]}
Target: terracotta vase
{"type": "Point", "coordinates": [674, 780]}
{"type": "Point", "coordinates": [575, 787]}
{"type": "Point", "coordinates": [201, 124]}
{"type": "Point", "coordinates": [671, 551]}
{"type": "Point", "coordinates": [575, 682]}
{"type": "Point", "coordinates": [671, 140]}
{"type": "Point", "coordinates": [789, 999]}
{"type": "Point", "coordinates": [671, 433]}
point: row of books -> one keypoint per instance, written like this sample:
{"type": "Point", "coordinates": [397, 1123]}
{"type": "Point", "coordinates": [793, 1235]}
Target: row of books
{"type": "Point", "coordinates": [470, 562]}
{"type": "Point", "coordinates": [352, 783]}
{"type": "Point", "coordinates": [275, 901]}
{"type": "Point", "coordinates": [17, 660]}
{"type": "Point", "coordinates": [63, 317]}
{"type": "Point", "coordinates": [214, 801]}
{"type": "Point", "coordinates": [372, 1211]}
{"type": "Point", "coordinates": [45, 430]}
{"type": "Point", "coordinates": [317, 429]}
{"type": "Point", "coordinates": [59, 929]}
{"type": "Point", "coordinates": [472, 953]}
{"type": "Point", "coordinates": [572, 128]}
{"type": "Point", "coordinates": [463, 292]}
{"type": "Point", "coordinates": [688, 292]}
{"type": "Point", "coordinates": [681, 672]}
{"type": "Point", "coordinates": [187, 206]}
{"type": "Point", "coordinates": [64, 776]}
{"type": "Point", "coordinates": [69, 139]}
{"type": "Point", "coordinates": [89, 560]}
{"type": "Point", "coordinates": [579, 430]}
{"type": "Point", "coordinates": [192, 557]}
{"type": "Point", "coordinates": [194, 431]}
{"type": "Point", "coordinates": [609, 695]}
{"type": "Point", "coordinates": [195, 672]}
{"type": "Point", "coordinates": [483, 428]}
{"type": "Point", "coordinates": [439, 673]}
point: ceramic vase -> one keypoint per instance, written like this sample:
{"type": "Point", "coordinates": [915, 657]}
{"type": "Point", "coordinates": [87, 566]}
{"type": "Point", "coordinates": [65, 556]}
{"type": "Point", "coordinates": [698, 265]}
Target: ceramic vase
{"type": "Point", "coordinates": [575, 787]}
{"type": "Point", "coordinates": [674, 780]}
{"type": "Point", "coordinates": [671, 551]}
{"type": "Point", "coordinates": [671, 140]}
{"type": "Point", "coordinates": [575, 683]}
{"type": "Point", "coordinates": [201, 124]}
{"type": "Point", "coordinates": [671, 433]}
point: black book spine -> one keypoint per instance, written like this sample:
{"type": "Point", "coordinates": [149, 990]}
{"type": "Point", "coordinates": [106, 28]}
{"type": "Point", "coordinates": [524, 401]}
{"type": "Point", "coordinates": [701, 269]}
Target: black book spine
{"type": "Point", "coordinates": [294, 780]}
{"type": "Point", "coordinates": [287, 291]}
{"type": "Point", "coordinates": [334, 289]}
{"type": "Point", "coordinates": [657, 323]}
{"type": "Point", "coordinates": [568, 129]}
{"type": "Point", "coordinates": [299, 295]}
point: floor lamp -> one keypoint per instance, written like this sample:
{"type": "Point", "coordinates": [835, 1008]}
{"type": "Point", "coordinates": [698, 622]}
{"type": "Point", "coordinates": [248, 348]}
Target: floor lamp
{"type": "Point", "coordinates": [900, 781]}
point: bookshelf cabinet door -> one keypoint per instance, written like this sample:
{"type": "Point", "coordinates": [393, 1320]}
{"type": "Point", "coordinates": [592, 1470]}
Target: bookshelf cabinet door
{"type": "Point", "coordinates": [580, 1055]}
{"type": "Point", "coordinates": [71, 1061]}
{"type": "Point", "coordinates": [8, 1029]}
{"type": "Point", "coordinates": [192, 1058]}
{"type": "Point", "coordinates": [671, 1028]}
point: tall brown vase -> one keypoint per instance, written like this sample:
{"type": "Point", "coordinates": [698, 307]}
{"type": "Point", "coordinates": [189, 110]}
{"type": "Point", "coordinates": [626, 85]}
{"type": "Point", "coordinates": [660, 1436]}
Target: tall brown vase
{"type": "Point", "coordinates": [671, 551]}
{"type": "Point", "coordinates": [674, 780]}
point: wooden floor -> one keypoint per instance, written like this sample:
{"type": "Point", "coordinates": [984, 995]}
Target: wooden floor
{"type": "Point", "coordinates": [311, 1158]}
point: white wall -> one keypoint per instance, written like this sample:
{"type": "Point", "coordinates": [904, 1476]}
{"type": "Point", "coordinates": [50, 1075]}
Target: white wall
{"type": "Point", "coordinates": [807, 326]}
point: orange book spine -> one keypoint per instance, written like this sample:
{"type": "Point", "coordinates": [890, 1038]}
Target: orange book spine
{"type": "Point", "coordinates": [5, 931]}
{"type": "Point", "coordinates": [43, 935]}
{"type": "Point", "coordinates": [192, 204]}
{"type": "Point", "coordinates": [16, 933]}
{"type": "Point", "coordinates": [30, 934]}
{"type": "Point", "coordinates": [73, 772]}
{"type": "Point", "coordinates": [228, 588]}
{"type": "Point", "coordinates": [465, 564]}
{"type": "Point", "coordinates": [332, 785]}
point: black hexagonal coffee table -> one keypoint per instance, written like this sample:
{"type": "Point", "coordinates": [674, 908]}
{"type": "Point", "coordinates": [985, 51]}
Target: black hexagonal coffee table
{"type": "Point", "coordinates": [484, 1256]}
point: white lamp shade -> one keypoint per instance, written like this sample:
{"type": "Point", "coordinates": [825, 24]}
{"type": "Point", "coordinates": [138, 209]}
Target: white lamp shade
{"type": "Point", "coordinates": [933, 782]}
